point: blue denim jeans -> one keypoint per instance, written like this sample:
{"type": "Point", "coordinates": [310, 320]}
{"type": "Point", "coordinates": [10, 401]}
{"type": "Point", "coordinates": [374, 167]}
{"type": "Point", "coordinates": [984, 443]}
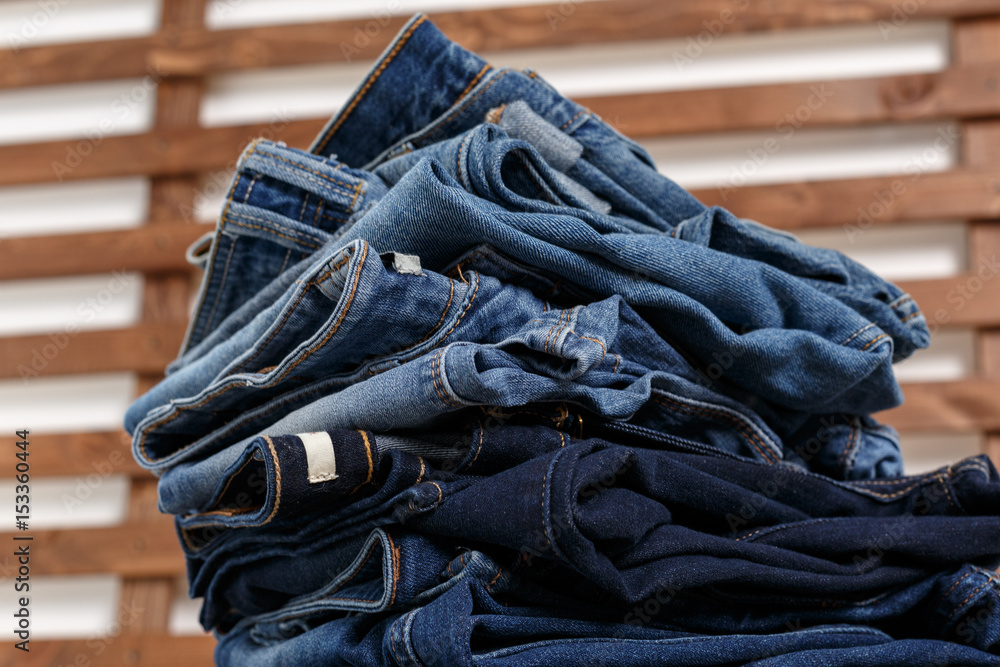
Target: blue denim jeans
{"type": "Point", "coordinates": [282, 206]}
{"type": "Point", "coordinates": [459, 90]}
{"type": "Point", "coordinates": [472, 611]}
{"type": "Point", "coordinates": [662, 514]}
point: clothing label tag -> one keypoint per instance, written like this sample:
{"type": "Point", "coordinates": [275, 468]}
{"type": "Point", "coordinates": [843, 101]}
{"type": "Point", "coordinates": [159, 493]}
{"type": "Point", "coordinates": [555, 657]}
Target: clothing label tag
{"type": "Point", "coordinates": [320, 457]}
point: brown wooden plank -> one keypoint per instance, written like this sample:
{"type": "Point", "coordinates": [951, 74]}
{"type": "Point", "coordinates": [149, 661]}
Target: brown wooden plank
{"type": "Point", "coordinates": [148, 548]}
{"type": "Point", "coordinates": [972, 91]}
{"type": "Point", "coordinates": [142, 249]}
{"type": "Point", "coordinates": [959, 92]}
{"type": "Point", "coordinates": [154, 596]}
{"type": "Point", "coordinates": [165, 295]}
{"type": "Point", "coordinates": [143, 348]}
{"type": "Point", "coordinates": [860, 203]}
{"type": "Point", "coordinates": [962, 301]}
{"type": "Point", "coordinates": [153, 650]}
{"type": "Point", "coordinates": [164, 152]}
{"type": "Point", "coordinates": [967, 405]}
{"type": "Point", "coordinates": [192, 51]}
{"type": "Point", "coordinates": [80, 454]}
{"type": "Point", "coordinates": [993, 448]}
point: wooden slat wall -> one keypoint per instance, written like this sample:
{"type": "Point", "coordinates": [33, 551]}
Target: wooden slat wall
{"type": "Point", "coordinates": [176, 150]}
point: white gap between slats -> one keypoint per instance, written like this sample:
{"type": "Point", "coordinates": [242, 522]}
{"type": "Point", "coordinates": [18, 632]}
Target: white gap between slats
{"type": "Point", "coordinates": [70, 607]}
{"type": "Point", "coordinates": [67, 306]}
{"type": "Point", "coordinates": [606, 69]}
{"type": "Point", "coordinates": [73, 207]}
{"type": "Point", "coordinates": [30, 23]}
{"type": "Point", "coordinates": [222, 14]}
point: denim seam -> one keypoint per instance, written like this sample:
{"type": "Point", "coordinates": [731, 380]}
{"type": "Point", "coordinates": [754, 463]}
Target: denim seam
{"type": "Point", "coordinates": [852, 440]}
{"type": "Point", "coordinates": [472, 84]}
{"type": "Point", "coordinates": [762, 449]}
{"type": "Point", "coordinates": [369, 83]}
{"type": "Point", "coordinates": [562, 314]}
{"type": "Point", "coordinates": [394, 557]}
{"type": "Point", "coordinates": [302, 209]}
{"type": "Point", "coordinates": [292, 233]}
{"type": "Point", "coordinates": [465, 106]}
{"type": "Point", "coordinates": [371, 463]}
{"type": "Point", "coordinates": [604, 350]}
{"type": "Point", "coordinates": [570, 121]}
{"type": "Point", "coordinates": [462, 148]}
{"type": "Point", "coordinates": [911, 316]}
{"type": "Point", "coordinates": [874, 340]}
{"type": "Point", "coordinates": [858, 332]}
{"type": "Point", "coordinates": [218, 497]}
{"type": "Point", "coordinates": [438, 387]}
{"type": "Point", "coordinates": [271, 231]}
{"type": "Point", "coordinates": [312, 283]}
{"type": "Point", "coordinates": [178, 410]}
{"type": "Point", "coordinates": [990, 581]}
{"type": "Point", "coordinates": [274, 510]}
{"type": "Point", "coordinates": [349, 187]}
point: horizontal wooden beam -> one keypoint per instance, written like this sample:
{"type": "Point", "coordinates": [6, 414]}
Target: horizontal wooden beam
{"type": "Point", "coordinates": [149, 248]}
{"type": "Point", "coordinates": [967, 300]}
{"type": "Point", "coordinates": [195, 51]}
{"type": "Point", "coordinates": [149, 650]}
{"type": "Point", "coordinates": [80, 454]}
{"type": "Point", "coordinates": [967, 405]}
{"type": "Point", "coordinates": [860, 203]}
{"type": "Point", "coordinates": [147, 548]}
{"type": "Point", "coordinates": [783, 108]}
{"type": "Point", "coordinates": [144, 348]}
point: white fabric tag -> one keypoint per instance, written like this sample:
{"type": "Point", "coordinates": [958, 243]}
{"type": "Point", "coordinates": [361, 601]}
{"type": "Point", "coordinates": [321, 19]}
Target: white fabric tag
{"type": "Point", "coordinates": [320, 457]}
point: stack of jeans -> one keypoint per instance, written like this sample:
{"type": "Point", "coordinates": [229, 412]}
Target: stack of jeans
{"type": "Point", "coordinates": [470, 383]}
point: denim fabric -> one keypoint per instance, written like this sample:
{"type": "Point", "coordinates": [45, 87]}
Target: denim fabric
{"type": "Point", "coordinates": [511, 172]}
{"type": "Point", "coordinates": [469, 620]}
{"type": "Point", "coordinates": [633, 522]}
{"type": "Point", "coordinates": [459, 90]}
{"type": "Point", "coordinates": [575, 355]}
{"type": "Point", "coordinates": [302, 201]}
{"type": "Point", "coordinates": [776, 336]}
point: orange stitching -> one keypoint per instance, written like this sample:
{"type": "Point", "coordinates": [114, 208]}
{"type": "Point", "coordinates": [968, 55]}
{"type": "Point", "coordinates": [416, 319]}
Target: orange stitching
{"type": "Point", "coordinates": [447, 306]}
{"type": "Point", "coordinates": [295, 305]}
{"type": "Point", "coordinates": [439, 388]}
{"type": "Point", "coordinates": [371, 464]}
{"type": "Point", "coordinates": [441, 126]}
{"type": "Point", "coordinates": [499, 572]}
{"type": "Point", "coordinates": [271, 231]}
{"type": "Point", "coordinates": [423, 469]}
{"type": "Point", "coordinates": [440, 492]}
{"type": "Point", "coordinates": [851, 439]}
{"type": "Point", "coordinates": [472, 84]}
{"type": "Point", "coordinates": [762, 449]}
{"type": "Point", "coordinates": [562, 313]}
{"type": "Point", "coordinates": [570, 121]}
{"type": "Point", "coordinates": [277, 479]}
{"type": "Point", "coordinates": [874, 340]}
{"type": "Point", "coordinates": [617, 360]}
{"type": "Point", "coordinates": [309, 169]}
{"type": "Point", "coordinates": [333, 330]}
{"type": "Point", "coordinates": [475, 291]}
{"type": "Point", "coordinates": [954, 611]}
{"type": "Point", "coordinates": [911, 316]}
{"type": "Point", "coordinates": [947, 491]}
{"type": "Point", "coordinates": [604, 350]}
{"type": "Point", "coordinates": [955, 585]}
{"type": "Point", "coordinates": [370, 82]}
{"type": "Point", "coordinates": [395, 567]}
